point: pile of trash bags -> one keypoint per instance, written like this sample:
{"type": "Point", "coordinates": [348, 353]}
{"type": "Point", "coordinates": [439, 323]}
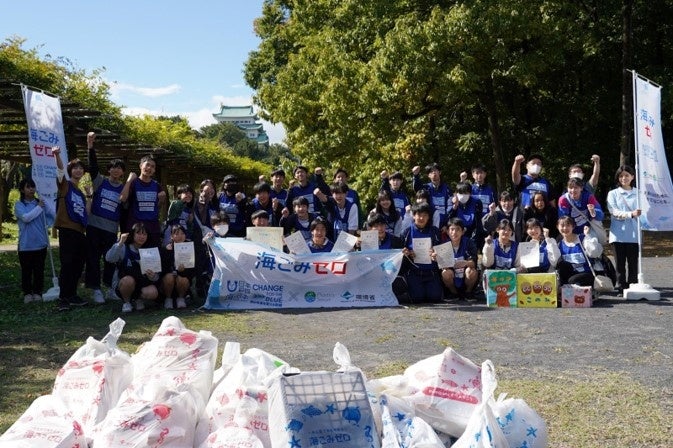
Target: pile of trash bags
{"type": "Point", "coordinates": [170, 394]}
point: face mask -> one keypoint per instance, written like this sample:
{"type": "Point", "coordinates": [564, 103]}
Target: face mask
{"type": "Point", "coordinates": [231, 188]}
{"type": "Point", "coordinates": [221, 229]}
{"type": "Point", "coordinates": [463, 198]}
{"type": "Point", "coordinates": [577, 175]}
{"type": "Point", "coordinates": [534, 169]}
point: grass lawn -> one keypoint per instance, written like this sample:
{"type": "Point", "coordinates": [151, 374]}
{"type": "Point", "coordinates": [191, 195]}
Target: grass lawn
{"type": "Point", "coordinates": [35, 341]}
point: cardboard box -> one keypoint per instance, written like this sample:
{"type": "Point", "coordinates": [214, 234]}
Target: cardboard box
{"type": "Point", "coordinates": [536, 290]}
{"type": "Point", "coordinates": [575, 296]}
{"type": "Point", "coordinates": [500, 288]}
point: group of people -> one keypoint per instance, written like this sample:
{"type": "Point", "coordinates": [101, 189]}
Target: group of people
{"type": "Point", "coordinates": [115, 218]}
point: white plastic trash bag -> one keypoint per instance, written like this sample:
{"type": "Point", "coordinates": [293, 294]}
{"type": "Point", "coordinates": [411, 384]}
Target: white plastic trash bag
{"type": "Point", "coordinates": [238, 433]}
{"type": "Point", "coordinates": [521, 425]}
{"type": "Point", "coordinates": [245, 378]}
{"type": "Point", "coordinates": [483, 430]}
{"type": "Point", "coordinates": [402, 428]}
{"type": "Point", "coordinates": [445, 389]}
{"type": "Point", "coordinates": [176, 355]}
{"type": "Point", "coordinates": [151, 415]}
{"type": "Point", "coordinates": [94, 377]}
{"type": "Point", "coordinates": [46, 424]}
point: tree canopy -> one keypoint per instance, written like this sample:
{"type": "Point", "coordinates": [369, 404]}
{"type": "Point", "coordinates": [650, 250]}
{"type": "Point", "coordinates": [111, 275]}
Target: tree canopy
{"type": "Point", "coordinates": [387, 84]}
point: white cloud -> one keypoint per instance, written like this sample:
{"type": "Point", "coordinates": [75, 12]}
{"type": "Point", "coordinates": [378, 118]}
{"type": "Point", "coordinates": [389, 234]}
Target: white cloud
{"type": "Point", "coordinates": [117, 88]}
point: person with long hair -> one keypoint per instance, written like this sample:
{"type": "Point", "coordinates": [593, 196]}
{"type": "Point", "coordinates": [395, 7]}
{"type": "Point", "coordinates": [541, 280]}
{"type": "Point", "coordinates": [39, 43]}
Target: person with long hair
{"type": "Point", "coordinates": [176, 279]}
{"type": "Point", "coordinates": [549, 252]}
{"type": "Point", "coordinates": [386, 208]}
{"type": "Point", "coordinates": [542, 211]}
{"type": "Point", "coordinates": [30, 214]}
{"type": "Point", "coordinates": [133, 285]}
{"type": "Point", "coordinates": [623, 207]}
{"type": "Point", "coordinates": [576, 253]}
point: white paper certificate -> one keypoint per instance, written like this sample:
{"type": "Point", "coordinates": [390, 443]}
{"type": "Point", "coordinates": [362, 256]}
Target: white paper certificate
{"type": "Point", "coordinates": [184, 254]}
{"type": "Point", "coordinates": [445, 257]}
{"type": "Point", "coordinates": [296, 244]}
{"type": "Point", "coordinates": [150, 260]}
{"type": "Point", "coordinates": [529, 254]}
{"type": "Point", "coordinates": [269, 236]}
{"type": "Point", "coordinates": [345, 242]}
{"type": "Point", "coordinates": [369, 240]}
{"type": "Point", "coordinates": [422, 248]}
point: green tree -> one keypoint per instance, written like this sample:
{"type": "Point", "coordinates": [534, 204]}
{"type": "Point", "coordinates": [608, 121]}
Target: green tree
{"type": "Point", "coordinates": [227, 134]}
{"type": "Point", "coordinates": [375, 84]}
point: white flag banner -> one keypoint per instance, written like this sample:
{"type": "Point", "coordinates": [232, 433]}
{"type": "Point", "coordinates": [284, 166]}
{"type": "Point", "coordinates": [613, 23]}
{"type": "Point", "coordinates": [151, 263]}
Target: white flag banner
{"type": "Point", "coordinates": [45, 130]}
{"type": "Point", "coordinates": [254, 276]}
{"type": "Point", "coordinates": [654, 178]}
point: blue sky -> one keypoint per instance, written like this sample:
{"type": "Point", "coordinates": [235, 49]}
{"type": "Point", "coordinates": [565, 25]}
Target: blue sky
{"type": "Point", "coordinates": [170, 57]}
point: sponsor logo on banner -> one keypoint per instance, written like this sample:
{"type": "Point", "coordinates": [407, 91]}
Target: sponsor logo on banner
{"type": "Point", "coordinates": [310, 296]}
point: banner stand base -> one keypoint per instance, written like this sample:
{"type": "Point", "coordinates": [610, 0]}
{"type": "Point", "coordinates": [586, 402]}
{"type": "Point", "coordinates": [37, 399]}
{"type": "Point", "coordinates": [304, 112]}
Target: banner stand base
{"type": "Point", "coordinates": [641, 291]}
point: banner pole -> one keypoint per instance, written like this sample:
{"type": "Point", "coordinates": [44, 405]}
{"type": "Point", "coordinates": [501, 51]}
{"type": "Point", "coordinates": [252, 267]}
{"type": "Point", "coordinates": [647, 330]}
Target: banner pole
{"type": "Point", "coordinates": [640, 290]}
{"type": "Point", "coordinates": [638, 177]}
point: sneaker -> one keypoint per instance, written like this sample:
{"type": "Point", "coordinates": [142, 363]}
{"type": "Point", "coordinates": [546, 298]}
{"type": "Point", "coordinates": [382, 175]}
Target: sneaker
{"type": "Point", "coordinates": [180, 302]}
{"type": "Point", "coordinates": [126, 307]}
{"type": "Point", "coordinates": [98, 296]}
{"type": "Point", "coordinates": [77, 301]}
{"type": "Point", "coordinates": [168, 303]}
{"type": "Point", "coordinates": [37, 297]}
{"type": "Point", "coordinates": [112, 295]}
{"type": "Point", "coordinates": [63, 305]}
{"type": "Point", "coordinates": [27, 298]}
{"type": "Point", "coordinates": [140, 305]}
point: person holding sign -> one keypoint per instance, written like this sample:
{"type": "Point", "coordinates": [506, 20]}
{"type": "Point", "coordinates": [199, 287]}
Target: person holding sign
{"type": "Point", "coordinates": [71, 221]}
{"type": "Point", "coordinates": [319, 242]}
{"type": "Point", "coordinates": [133, 285]}
{"type": "Point", "coordinates": [549, 252]}
{"type": "Point", "coordinates": [384, 239]}
{"type": "Point", "coordinates": [177, 264]}
{"type": "Point", "coordinates": [502, 253]}
{"type": "Point", "coordinates": [461, 278]}
{"type": "Point", "coordinates": [423, 276]}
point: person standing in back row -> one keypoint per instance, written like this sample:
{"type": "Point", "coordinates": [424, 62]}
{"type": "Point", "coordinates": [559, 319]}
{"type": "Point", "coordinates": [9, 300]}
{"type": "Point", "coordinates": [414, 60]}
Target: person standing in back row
{"type": "Point", "coordinates": [145, 196]}
{"type": "Point", "coordinates": [101, 231]}
{"type": "Point", "coordinates": [531, 181]}
{"type": "Point", "coordinates": [71, 221]}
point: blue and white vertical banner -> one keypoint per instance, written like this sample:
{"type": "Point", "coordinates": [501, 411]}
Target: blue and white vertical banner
{"type": "Point", "coordinates": [254, 276]}
{"type": "Point", "coordinates": [654, 178]}
{"type": "Point", "coordinates": [45, 130]}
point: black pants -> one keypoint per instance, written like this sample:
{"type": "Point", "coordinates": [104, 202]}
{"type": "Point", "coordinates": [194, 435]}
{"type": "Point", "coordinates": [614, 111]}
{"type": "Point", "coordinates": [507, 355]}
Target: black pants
{"type": "Point", "coordinates": [568, 276]}
{"type": "Point", "coordinates": [626, 253]}
{"type": "Point", "coordinates": [99, 241]}
{"type": "Point", "coordinates": [72, 253]}
{"type": "Point", "coordinates": [32, 270]}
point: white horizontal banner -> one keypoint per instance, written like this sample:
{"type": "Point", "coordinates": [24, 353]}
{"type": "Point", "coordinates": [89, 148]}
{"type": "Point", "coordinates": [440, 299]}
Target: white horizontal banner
{"type": "Point", "coordinates": [254, 276]}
